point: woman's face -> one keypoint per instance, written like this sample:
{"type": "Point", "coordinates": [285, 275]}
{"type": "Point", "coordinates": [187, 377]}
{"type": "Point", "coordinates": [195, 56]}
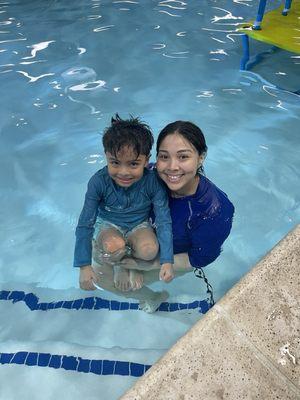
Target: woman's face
{"type": "Point", "coordinates": [177, 164]}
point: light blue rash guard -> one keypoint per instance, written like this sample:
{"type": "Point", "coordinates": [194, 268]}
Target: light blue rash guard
{"type": "Point", "coordinates": [124, 207]}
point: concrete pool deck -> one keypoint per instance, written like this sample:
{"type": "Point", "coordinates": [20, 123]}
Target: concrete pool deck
{"type": "Point", "coordinates": [246, 347]}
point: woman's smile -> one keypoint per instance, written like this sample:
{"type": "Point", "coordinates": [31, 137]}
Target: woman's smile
{"type": "Point", "coordinates": [173, 178]}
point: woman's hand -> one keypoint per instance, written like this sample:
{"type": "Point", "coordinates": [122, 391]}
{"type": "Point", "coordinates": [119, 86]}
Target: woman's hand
{"type": "Point", "coordinates": [166, 272]}
{"type": "Point", "coordinates": [87, 277]}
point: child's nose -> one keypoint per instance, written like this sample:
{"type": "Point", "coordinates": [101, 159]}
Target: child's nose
{"type": "Point", "coordinates": [123, 170]}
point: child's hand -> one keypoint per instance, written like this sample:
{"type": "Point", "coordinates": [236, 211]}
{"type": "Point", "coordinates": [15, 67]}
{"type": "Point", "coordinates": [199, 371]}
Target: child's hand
{"type": "Point", "coordinates": [166, 272]}
{"type": "Point", "coordinates": [87, 277]}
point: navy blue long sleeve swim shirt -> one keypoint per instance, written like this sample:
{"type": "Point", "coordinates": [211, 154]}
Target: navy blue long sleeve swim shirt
{"type": "Point", "coordinates": [201, 223]}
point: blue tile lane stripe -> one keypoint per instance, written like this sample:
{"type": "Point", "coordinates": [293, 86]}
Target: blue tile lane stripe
{"type": "Point", "coordinates": [95, 303]}
{"type": "Point", "coordinates": [72, 363]}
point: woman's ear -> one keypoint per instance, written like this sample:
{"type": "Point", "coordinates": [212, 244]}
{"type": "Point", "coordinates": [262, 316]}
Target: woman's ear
{"type": "Point", "coordinates": [201, 159]}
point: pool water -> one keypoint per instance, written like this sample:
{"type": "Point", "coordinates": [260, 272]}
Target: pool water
{"type": "Point", "coordinates": [65, 70]}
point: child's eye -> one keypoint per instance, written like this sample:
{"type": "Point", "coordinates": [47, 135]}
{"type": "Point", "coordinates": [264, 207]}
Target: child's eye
{"type": "Point", "coordinates": [183, 157]}
{"type": "Point", "coordinates": [134, 164]}
{"type": "Point", "coordinates": [113, 162]}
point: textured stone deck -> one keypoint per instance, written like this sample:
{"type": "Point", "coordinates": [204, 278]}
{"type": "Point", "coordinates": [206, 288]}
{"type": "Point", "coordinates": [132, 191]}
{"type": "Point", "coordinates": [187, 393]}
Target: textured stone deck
{"type": "Point", "coordinates": [246, 347]}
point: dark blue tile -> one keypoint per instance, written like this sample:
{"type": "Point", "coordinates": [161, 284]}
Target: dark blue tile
{"type": "Point", "coordinates": [5, 358]}
{"type": "Point", "coordinates": [58, 304]}
{"type": "Point", "coordinates": [77, 304]}
{"type": "Point", "coordinates": [174, 307]}
{"type": "Point", "coordinates": [115, 305]}
{"type": "Point", "coordinates": [88, 303]}
{"type": "Point", "coordinates": [101, 304]}
{"type": "Point", "coordinates": [31, 301]}
{"type": "Point", "coordinates": [16, 296]}
{"type": "Point", "coordinates": [69, 363]}
{"type": "Point", "coordinates": [67, 304]}
{"type": "Point", "coordinates": [193, 305]}
{"type": "Point", "coordinates": [124, 306]}
{"type": "Point", "coordinates": [136, 369]}
{"type": "Point", "coordinates": [31, 359]}
{"type": "Point", "coordinates": [108, 367]}
{"type": "Point", "coordinates": [147, 367]}
{"type": "Point", "coordinates": [43, 306]}
{"type": "Point", "coordinates": [164, 307]}
{"type": "Point", "coordinates": [204, 306]}
{"type": "Point", "coordinates": [183, 306]}
{"type": "Point", "coordinates": [4, 294]}
{"type": "Point", "coordinates": [84, 365]}
{"type": "Point", "coordinates": [122, 368]}
{"type": "Point", "coordinates": [51, 306]}
{"type": "Point", "coordinates": [96, 367]}
{"type": "Point", "coordinates": [20, 357]}
{"type": "Point", "coordinates": [133, 306]}
{"type": "Point", "coordinates": [55, 361]}
{"type": "Point", "coordinates": [43, 359]}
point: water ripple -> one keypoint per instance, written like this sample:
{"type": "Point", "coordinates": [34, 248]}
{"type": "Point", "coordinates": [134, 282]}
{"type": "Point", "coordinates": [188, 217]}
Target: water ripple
{"type": "Point", "coordinates": [88, 86]}
{"type": "Point", "coordinates": [38, 47]}
{"type": "Point", "coordinates": [166, 4]}
{"type": "Point", "coordinates": [171, 15]}
{"type": "Point", "coordinates": [34, 78]}
{"type": "Point", "coordinates": [103, 28]}
{"type": "Point", "coordinates": [227, 16]}
{"type": "Point", "coordinates": [160, 46]}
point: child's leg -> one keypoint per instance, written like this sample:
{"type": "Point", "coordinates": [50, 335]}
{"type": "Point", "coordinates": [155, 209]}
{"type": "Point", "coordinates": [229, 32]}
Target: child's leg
{"type": "Point", "coordinates": [149, 300]}
{"type": "Point", "coordinates": [143, 243]}
{"type": "Point", "coordinates": [144, 246]}
{"type": "Point", "coordinates": [112, 243]}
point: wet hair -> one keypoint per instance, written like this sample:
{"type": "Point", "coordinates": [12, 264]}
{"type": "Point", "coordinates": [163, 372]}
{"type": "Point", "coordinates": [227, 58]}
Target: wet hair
{"type": "Point", "coordinates": [191, 132]}
{"type": "Point", "coordinates": [127, 133]}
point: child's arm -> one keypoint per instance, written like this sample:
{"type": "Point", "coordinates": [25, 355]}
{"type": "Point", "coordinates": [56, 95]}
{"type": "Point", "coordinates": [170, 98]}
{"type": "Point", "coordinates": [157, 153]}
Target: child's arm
{"type": "Point", "coordinates": [87, 277]}
{"type": "Point", "coordinates": [166, 272]}
{"type": "Point", "coordinates": [163, 224]}
{"type": "Point", "coordinates": [85, 229]}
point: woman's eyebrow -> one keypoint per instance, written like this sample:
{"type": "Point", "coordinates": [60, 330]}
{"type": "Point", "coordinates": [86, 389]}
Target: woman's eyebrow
{"type": "Point", "coordinates": [184, 151]}
{"type": "Point", "coordinates": [178, 151]}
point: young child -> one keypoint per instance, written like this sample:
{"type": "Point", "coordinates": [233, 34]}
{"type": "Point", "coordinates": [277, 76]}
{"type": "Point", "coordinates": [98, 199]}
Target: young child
{"type": "Point", "coordinates": [117, 206]}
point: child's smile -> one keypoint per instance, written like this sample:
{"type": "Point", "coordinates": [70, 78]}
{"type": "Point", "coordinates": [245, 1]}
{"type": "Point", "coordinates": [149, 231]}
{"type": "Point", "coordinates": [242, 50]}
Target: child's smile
{"type": "Point", "coordinates": [126, 168]}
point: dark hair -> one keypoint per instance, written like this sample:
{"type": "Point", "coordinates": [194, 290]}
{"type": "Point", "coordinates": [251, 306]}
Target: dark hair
{"type": "Point", "coordinates": [127, 133]}
{"type": "Point", "coordinates": [189, 131]}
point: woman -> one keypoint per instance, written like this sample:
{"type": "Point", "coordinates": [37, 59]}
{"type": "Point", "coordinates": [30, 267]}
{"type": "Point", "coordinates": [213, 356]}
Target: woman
{"type": "Point", "coordinates": [201, 213]}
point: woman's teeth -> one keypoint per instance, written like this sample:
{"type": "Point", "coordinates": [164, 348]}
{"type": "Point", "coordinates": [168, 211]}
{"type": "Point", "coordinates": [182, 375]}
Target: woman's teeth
{"type": "Point", "coordinates": [174, 178]}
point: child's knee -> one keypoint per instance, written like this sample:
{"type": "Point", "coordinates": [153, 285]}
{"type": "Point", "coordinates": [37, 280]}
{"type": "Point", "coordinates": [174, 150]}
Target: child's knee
{"type": "Point", "coordinates": [113, 244]}
{"type": "Point", "coordinates": [147, 251]}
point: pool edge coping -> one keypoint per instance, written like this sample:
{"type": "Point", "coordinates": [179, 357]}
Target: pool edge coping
{"type": "Point", "coordinates": [175, 375]}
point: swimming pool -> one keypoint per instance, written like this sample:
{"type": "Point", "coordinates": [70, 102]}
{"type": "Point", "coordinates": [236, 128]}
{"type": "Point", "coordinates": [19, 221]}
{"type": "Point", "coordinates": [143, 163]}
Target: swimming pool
{"type": "Point", "coordinates": [65, 69]}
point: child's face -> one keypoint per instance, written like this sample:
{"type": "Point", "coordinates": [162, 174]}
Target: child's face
{"type": "Point", "coordinates": [126, 168]}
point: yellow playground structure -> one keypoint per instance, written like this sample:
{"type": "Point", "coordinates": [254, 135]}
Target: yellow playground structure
{"type": "Point", "coordinates": [280, 28]}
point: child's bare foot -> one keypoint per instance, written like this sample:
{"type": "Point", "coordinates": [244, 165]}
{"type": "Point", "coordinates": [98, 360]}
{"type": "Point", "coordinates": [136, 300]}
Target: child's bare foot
{"type": "Point", "coordinates": [152, 304]}
{"type": "Point", "coordinates": [121, 278]}
{"type": "Point", "coordinates": [136, 279]}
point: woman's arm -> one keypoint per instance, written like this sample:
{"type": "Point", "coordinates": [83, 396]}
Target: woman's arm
{"type": "Point", "coordinates": [181, 263]}
{"type": "Point", "coordinates": [207, 239]}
